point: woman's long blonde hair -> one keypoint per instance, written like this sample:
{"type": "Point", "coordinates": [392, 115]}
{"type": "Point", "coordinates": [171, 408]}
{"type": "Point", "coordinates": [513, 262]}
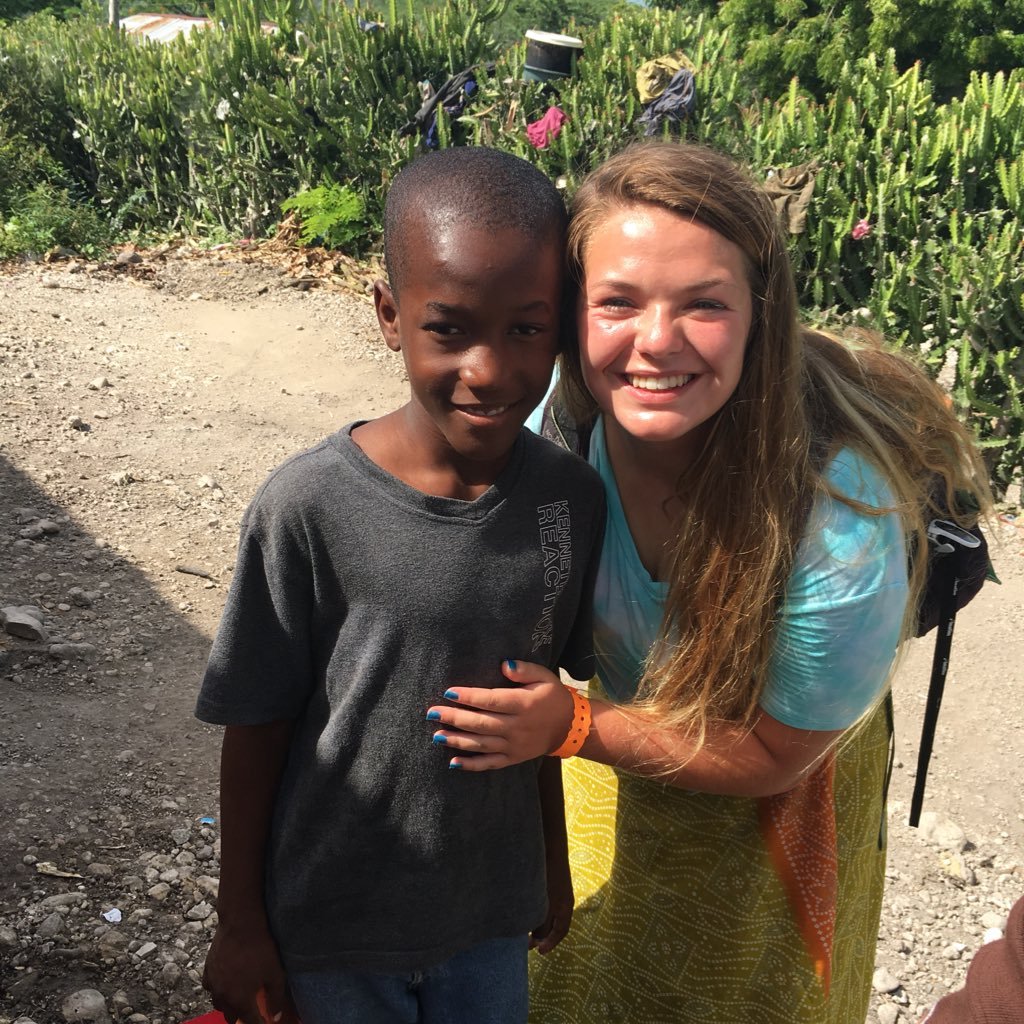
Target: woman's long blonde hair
{"type": "Point", "coordinates": [802, 396]}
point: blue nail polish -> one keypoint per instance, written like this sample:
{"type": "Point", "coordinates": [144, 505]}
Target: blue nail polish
{"type": "Point", "coordinates": [451, 695]}
{"type": "Point", "coordinates": [433, 716]}
{"type": "Point", "coordinates": [438, 738]}
{"type": "Point", "coordinates": [454, 764]}
{"type": "Point", "coordinates": [511, 664]}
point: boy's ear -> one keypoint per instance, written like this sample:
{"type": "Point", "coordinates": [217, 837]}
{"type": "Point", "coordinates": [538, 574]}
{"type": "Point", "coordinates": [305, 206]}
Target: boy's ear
{"type": "Point", "coordinates": [387, 314]}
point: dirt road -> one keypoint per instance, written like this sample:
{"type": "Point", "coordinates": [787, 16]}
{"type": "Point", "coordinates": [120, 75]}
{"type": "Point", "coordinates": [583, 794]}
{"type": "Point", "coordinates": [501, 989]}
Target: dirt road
{"type": "Point", "coordinates": [136, 420]}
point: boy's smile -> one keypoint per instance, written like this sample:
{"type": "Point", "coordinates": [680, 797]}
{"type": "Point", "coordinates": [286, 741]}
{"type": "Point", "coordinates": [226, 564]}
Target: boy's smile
{"type": "Point", "coordinates": [476, 321]}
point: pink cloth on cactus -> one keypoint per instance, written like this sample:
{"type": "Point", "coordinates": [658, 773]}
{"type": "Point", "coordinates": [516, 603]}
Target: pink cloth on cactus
{"type": "Point", "coordinates": [543, 132]}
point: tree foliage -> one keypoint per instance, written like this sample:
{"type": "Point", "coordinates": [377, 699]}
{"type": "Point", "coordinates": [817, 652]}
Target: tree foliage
{"type": "Point", "coordinates": [13, 9]}
{"type": "Point", "coordinates": [545, 15]}
{"type": "Point", "coordinates": [96, 10]}
{"type": "Point", "coordinates": [954, 37]}
{"type": "Point", "coordinates": [555, 15]}
{"type": "Point", "coordinates": [812, 39]}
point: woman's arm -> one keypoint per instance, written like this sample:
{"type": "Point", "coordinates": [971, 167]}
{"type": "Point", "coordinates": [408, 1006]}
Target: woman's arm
{"type": "Point", "coordinates": [762, 759]}
{"type": "Point", "coordinates": [506, 726]}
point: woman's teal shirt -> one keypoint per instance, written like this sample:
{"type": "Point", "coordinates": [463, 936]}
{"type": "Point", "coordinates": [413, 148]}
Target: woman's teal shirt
{"type": "Point", "coordinates": [840, 620]}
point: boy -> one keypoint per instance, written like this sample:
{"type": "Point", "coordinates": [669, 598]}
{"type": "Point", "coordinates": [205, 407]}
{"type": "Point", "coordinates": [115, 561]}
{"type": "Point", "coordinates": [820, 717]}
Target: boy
{"type": "Point", "coordinates": [400, 556]}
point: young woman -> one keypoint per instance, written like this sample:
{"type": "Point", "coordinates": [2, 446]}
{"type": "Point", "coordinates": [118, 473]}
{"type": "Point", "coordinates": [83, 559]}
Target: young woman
{"type": "Point", "coordinates": [765, 483]}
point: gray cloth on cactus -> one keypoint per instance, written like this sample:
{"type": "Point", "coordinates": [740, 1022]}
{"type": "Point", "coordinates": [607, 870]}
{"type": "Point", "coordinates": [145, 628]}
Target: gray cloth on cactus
{"type": "Point", "coordinates": [674, 105]}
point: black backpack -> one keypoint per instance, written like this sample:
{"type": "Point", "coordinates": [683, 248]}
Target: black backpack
{"type": "Point", "coordinates": [958, 566]}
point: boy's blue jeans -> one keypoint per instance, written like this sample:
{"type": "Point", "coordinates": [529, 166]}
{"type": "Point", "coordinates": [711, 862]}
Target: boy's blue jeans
{"type": "Point", "coordinates": [485, 984]}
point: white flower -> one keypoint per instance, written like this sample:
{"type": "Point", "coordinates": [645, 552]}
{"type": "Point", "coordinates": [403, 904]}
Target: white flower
{"type": "Point", "coordinates": [222, 111]}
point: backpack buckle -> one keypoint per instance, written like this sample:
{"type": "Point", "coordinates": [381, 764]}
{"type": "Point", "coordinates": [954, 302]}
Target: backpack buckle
{"type": "Point", "coordinates": [946, 536]}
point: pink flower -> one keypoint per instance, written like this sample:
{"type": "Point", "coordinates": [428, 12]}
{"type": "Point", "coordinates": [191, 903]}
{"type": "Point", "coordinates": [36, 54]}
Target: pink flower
{"type": "Point", "coordinates": [861, 229]}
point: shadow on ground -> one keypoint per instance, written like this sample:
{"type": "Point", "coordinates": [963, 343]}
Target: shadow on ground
{"type": "Point", "coordinates": [101, 764]}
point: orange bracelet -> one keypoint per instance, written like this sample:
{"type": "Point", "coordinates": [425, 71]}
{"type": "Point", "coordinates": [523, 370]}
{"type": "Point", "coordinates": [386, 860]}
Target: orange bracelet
{"type": "Point", "coordinates": [579, 729]}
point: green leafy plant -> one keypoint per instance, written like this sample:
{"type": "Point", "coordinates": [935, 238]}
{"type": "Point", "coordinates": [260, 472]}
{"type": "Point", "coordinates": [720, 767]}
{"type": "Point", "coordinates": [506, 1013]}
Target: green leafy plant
{"type": "Point", "coordinates": [330, 214]}
{"type": "Point", "coordinates": [22, 165]}
{"type": "Point", "coordinates": [48, 218]}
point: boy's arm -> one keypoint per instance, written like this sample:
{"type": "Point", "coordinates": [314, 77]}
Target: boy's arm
{"type": "Point", "coordinates": [546, 936]}
{"type": "Point", "coordinates": [243, 957]}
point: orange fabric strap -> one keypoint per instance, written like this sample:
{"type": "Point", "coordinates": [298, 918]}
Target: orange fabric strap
{"type": "Point", "coordinates": [579, 729]}
{"type": "Point", "coordinates": [799, 830]}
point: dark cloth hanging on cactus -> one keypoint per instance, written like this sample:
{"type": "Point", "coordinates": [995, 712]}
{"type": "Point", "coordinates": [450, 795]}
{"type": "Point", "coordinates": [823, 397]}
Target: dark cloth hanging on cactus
{"type": "Point", "coordinates": [790, 189]}
{"type": "Point", "coordinates": [452, 97]}
{"type": "Point", "coordinates": [673, 106]}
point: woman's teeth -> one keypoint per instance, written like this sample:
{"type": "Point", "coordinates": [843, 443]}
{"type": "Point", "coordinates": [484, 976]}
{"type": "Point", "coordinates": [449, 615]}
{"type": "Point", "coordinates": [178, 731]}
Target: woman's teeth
{"type": "Point", "coordinates": [659, 383]}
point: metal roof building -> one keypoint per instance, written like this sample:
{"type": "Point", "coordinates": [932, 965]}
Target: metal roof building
{"type": "Point", "coordinates": [162, 28]}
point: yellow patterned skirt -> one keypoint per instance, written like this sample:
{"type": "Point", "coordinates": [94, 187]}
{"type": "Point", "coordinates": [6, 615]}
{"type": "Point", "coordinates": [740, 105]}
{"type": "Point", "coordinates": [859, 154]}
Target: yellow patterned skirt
{"type": "Point", "coordinates": [682, 916]}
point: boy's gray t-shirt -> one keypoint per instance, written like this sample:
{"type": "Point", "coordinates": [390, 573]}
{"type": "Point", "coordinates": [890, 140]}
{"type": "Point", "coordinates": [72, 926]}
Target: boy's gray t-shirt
{"type": "Point", "coordinates": [356, 602]}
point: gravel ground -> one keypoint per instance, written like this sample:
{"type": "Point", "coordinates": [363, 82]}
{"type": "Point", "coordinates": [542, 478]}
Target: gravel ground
{"type": "Point", "coordinates": [140, 406]}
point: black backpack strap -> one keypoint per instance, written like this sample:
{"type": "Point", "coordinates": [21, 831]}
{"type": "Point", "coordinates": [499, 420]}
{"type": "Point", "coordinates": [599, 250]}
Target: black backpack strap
{"type": "Point", "coordinates": [558, 426]}
{"type": "Point", "coordinates": [951, 545]}
{"type": "Point", "coordinates": [890, 724]}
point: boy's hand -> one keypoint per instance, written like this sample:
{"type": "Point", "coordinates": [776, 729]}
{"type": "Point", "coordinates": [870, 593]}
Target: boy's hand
{"type": "Point", "coordinates": [561, 902]}
{"type": "Point", "coordinates": [550, 932]}
{"type": "Point", "coordinates": [244, 976]}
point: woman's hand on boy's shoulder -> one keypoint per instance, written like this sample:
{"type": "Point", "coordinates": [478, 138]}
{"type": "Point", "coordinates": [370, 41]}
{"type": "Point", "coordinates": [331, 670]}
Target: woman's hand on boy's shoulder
{"type": "Point", "coordinates": [245, 978]}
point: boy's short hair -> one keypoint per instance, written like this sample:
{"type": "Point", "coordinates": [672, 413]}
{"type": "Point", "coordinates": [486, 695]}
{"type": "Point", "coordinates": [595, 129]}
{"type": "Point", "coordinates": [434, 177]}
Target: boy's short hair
{"type": "Point", "coordinates": [475, 185]}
